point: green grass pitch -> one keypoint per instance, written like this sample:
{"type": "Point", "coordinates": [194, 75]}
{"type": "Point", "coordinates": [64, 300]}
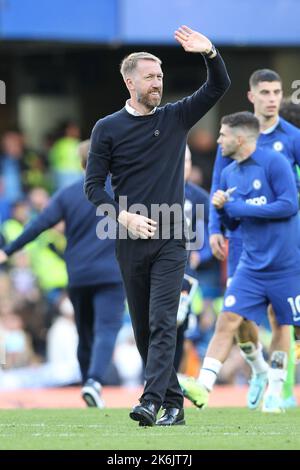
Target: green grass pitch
{"type": "Point", "coordinates": [112, 429]}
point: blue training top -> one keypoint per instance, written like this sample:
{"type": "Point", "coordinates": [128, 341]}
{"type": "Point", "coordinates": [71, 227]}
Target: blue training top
{"type": "Point", "coordinates": [285, 138]}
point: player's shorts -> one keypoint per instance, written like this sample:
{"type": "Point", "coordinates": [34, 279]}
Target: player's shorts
{"type": "Point", "coordinates": [249, 295]}
{"type": "Point", "coordinates": [235, 248]}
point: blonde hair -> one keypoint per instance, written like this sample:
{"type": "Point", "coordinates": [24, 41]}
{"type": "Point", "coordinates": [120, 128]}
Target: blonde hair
{"type": "Point", "coordinates": [129, 63]}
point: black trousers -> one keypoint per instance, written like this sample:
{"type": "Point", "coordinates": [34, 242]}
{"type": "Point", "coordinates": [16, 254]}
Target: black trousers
{"type": "Point", "coordinates": [152, 272]}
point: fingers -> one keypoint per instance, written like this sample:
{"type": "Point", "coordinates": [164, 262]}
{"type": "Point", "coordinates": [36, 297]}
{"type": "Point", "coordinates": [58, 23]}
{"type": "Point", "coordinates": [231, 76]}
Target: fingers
{"type": "Point", "coordinates": [148, 227]}
{"type": "Point", "coordinates": [220, 193]}
{"type": "Point", "coordinates": [180, 37]}
{"type": "Point", "coordinates": [145, 232]}
{"type": "Point", "coordinates": [143, 227]}
{"type": "Point", "coordinates": [186, 29]}
{"type": "Point", "coordinates": [218, 251]}
{"type": "Point", "coordinates": [182, 34]}
{"type": "Point", "coordinates": [150, 221]}
{"type": "Point", "coordinates": [218, 247]}
{"type": "Point", "coordinates": [219, 199]}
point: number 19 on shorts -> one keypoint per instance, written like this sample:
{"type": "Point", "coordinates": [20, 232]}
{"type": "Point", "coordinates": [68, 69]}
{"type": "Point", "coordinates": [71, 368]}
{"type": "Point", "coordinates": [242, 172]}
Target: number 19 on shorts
{"type": "Point", "coordinates": [295, 306]}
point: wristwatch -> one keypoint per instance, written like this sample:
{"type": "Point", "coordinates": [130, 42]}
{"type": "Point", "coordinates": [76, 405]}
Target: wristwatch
{"type": "Point", "coordinates": [211, 53]}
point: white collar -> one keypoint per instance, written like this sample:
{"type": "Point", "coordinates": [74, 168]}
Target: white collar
{"type": "Point", "coordinates": [272, 128]}
{"type": "Point", "coordinates": [134, 112]}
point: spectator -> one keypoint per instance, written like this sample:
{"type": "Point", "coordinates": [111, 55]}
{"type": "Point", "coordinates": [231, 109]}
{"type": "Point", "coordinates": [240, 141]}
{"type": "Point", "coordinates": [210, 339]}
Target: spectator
{"type": "Point", "coordinates": [63, 156]}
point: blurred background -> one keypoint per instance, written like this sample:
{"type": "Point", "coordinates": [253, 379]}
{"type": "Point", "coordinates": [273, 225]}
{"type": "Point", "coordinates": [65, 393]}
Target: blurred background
{"type": "Point", "coordinates": [59, 61]}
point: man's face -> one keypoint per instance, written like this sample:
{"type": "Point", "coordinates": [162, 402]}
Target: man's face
{"type": "Point", "coordinates": [147, 83]}
{"type": "Point", "coordinates": [266, 98]}
{"type": "Point", "coordinates": [13, 144]}
{"type": "Point", "coordinates": [228, 141]}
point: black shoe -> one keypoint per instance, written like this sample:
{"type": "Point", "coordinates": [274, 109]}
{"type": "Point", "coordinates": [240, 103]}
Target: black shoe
{"type": "Point", "coordinates": [145, 413]}
{"type": "Point", "coordinates": [171, 417]}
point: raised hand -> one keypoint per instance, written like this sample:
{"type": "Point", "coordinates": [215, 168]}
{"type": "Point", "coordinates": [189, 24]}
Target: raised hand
{"type": "Point", "coordinates": [192, 41]}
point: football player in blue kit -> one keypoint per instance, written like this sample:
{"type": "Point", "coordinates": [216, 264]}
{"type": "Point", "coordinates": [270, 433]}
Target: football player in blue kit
{"type": "Point", "coordinates": [257, 193]}
{"type": "Point", "coordinates": [279, 135]}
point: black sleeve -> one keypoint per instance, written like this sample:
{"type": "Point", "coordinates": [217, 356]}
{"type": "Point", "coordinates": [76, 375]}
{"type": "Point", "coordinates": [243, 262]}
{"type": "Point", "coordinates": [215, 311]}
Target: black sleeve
{"type": "Point", "coordinates": [98, 165]}
{"type": "Point", "coordinates": [195, 106]}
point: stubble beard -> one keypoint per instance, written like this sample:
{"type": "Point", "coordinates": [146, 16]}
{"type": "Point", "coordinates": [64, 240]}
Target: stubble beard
{"type": "Point", "coordinates": [150, 102]}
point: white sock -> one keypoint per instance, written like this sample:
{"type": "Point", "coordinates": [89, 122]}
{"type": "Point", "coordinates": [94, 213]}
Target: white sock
{"type": "Point", "coordinates": [277, 373]}
{"type": "Point", "coordinates": [254, 357]}
{"type": "Point", "coordinates": [209, 372]}
{"type": "Point", "coordinates": [276, 379]}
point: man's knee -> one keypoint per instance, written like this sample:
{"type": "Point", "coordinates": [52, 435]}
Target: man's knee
{"type": "Point", "coordinates": [228, 322]}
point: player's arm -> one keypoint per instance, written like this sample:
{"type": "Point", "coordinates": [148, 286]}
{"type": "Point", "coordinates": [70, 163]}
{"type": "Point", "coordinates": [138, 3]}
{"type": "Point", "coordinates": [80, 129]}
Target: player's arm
{"type": "Point", "coordinates": [283, 184]}
{"type": "Point", "coordinates": [203, 254]}
{"type": "Point", "coordinates": [215, 225]}
{"type": "Point", "coordinates": [220, 198]}
{"type": "Point", "coordinates": [296, 141]}
{"type": "Point", "coordinates": [49, 217]}
{"type": "Point", "coordinates": [195, 106]}
{"type": "Point", "coordinates": [296, 153]}
{"type": "Point", "coordinates": [216, 219]}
